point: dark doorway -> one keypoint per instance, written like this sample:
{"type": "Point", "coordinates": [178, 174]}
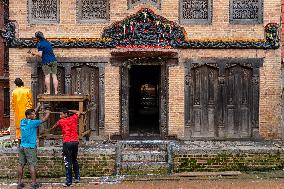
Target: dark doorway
{"type": "Point", "coordinates": [144, 98]}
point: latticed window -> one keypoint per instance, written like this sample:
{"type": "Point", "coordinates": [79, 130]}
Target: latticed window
{"type": "Point", "coordinates": [6, 101]}
{"type": "Point", "coordinates": [93, 10]}
{"type": "Point", "coordinates": [246, 11]}
{"type": "Point", "coordinates": [195, 11]}
{"type": "Point", "coordinates": [133, 3]}
{"type": "Point", "coordinates": [43, 11]}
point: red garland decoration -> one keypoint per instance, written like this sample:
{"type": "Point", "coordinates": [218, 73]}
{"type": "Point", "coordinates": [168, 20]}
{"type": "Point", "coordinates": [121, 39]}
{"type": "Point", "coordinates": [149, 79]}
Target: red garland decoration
{"type": "Point", "coordinates": [143, 47]}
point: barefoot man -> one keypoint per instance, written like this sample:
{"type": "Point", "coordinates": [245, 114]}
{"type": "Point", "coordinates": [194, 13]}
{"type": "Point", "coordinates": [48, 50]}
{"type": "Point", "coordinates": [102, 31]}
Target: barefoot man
{"type": "Point", "coordinates": [49, 62]}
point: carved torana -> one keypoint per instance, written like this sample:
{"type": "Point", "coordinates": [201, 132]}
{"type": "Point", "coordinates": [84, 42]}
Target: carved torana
{"type": "Point", "coordinates": [144, 28]}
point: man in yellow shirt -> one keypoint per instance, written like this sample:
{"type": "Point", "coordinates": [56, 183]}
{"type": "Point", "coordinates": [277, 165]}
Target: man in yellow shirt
{"type": "Point", "coordinates": [21, 101]}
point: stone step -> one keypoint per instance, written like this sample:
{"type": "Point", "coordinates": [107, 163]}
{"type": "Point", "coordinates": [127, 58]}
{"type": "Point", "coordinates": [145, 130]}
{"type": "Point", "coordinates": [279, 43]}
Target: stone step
{"type": "Point", "coordinates": [144, 156]}
{"type": "Point", "coordinates": [207, 174]}
{"type": "Point", "coordinates": [143, 168]}
{"type": "Point", "coordinates": [143, 149]}
{"type": "Point", "coordinates": [144, 145]}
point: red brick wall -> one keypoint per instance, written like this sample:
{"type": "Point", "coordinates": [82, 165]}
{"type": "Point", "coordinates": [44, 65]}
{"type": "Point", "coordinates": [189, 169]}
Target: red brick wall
{"type": "Point", "coordinates": [270, 73]}
{"type": "Point", "coordinates": [99, 161]}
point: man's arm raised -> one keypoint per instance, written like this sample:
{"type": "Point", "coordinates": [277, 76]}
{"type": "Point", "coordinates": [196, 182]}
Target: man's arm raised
{"type": "Point", "coordinates": [76, 112]}
{"type": "Point", "coordinates": [47, 113]}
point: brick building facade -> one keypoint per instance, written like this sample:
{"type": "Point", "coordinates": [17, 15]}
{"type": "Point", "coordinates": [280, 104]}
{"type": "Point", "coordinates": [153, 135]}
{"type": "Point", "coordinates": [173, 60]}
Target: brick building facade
{"type": "Point", "coordinates": [189, 69]}
{"type": "Point", "coordinates": [4, 72]}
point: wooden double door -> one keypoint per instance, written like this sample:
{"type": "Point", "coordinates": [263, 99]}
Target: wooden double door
{"type": "Point", "coordinates": [221, 98]}
{"type": "Point", "coordinates": [77, 78]}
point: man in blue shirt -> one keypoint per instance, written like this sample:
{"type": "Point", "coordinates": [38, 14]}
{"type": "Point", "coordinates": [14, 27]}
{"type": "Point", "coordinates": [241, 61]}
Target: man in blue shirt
{"type": "Point", "coordinates": [27, 150]}
{"type": "Point", "coordinates": [49, 62]}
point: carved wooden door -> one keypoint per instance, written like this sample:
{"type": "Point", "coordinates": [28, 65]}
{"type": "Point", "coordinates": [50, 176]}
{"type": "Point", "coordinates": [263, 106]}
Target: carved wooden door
{"type": "Point", "coordinates": [222, 100]}
{"type": "Point", "coordinates": [204, 101]}
{"type": "Point", "coordinates": [77, 78]}
{"type": "Point", "coordinates": [238, 104]}
{"type": "Point", "coordinates": [85, 81]}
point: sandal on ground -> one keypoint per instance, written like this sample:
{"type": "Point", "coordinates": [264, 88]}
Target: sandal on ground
{"type": "Point", "coordinates": [67, 185]}
{"type": "Point", "coordinates": [20, 185]}
{"type": "Point", "coordinates": [35, 186]}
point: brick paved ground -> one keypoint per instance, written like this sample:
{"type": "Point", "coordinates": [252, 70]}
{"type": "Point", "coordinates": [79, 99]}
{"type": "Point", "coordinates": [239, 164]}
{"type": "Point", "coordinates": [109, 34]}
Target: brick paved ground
{"type": "Point", "coordinates": [196, 184]}
{"type": "Point", "coordinates": [173, 183]}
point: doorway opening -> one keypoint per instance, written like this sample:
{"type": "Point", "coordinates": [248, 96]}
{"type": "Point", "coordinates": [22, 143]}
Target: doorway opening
{"type": "Point", "coordinates": [144, 100]}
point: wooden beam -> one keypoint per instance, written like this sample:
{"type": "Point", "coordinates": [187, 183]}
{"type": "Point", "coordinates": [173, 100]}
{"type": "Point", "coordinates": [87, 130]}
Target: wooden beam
{"type": "Point", "coordinates": [58, 98]}
{"type": "Point", "coordinates": [50, 136]}
{"type": "Point", "coordinates": [86, 133]}
{"type": "Point", "coordinates": [81, 122]}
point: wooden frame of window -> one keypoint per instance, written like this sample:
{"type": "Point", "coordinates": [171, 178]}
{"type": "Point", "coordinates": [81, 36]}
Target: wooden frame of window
{"type": "Point", "coordinates": [234, 9]}
{"type": "Point", "coordinates": [207, 20]}
{"type": "Point", "coordinates": [91, 18]}
{"type": "Point", "coordinates": [54, 14]}
{"type": "Point", "coordinates": [155, 3]}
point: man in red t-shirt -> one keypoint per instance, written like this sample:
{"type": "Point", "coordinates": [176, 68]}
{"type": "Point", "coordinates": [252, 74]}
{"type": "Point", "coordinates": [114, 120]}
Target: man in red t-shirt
{"type": "Point", "coordinates": [69, 124]}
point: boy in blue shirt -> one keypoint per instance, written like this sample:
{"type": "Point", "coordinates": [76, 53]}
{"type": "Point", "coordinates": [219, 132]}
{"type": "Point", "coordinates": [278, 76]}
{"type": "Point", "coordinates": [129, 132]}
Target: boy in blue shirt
{"type": "Point", "coordinates": [27, 150]}
{"type": "Point", "coordinates": [49, 62]}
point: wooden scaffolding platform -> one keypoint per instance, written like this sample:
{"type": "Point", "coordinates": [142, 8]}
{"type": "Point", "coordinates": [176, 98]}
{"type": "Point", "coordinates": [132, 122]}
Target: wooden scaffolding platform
{"type": "Point", "coordinates": [81, 101]}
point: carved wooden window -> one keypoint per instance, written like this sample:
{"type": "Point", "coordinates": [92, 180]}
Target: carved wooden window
{"type": "Point", "coordinates": [246, 11]}
{"type": "Point", "coordinates": [43, 11]}
{"type": "Point", "coordinates": [6, 101]}
{"type": "Point", "coordinates": [93, 10]}
{"type": "Point", "coordinates": [133, 3]}
{"type": "Point", "coordinates": [195, 11]}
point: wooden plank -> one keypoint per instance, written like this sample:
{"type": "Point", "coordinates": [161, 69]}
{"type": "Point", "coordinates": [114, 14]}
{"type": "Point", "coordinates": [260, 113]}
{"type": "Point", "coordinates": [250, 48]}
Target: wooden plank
{"type": "Point", "coordinates": [50, 136]}
{"type": "Point", "coordinates": [50, 98]}
{"type": "Point", "coordinates": [85, 133]}
{"type": "Point", "coordinates": [81, 126]}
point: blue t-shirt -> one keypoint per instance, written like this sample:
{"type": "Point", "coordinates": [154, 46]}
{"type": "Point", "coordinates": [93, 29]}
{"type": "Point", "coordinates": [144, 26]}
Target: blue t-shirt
{"type": "Point", "coordinates": [28, 132]}
{"type": "Point", "coordinates": [47, 52]}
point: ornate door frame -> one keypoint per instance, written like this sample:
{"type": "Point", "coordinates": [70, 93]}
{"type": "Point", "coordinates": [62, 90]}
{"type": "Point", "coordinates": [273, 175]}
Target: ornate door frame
{"type": "Point", "coordinates": [222, 64]}
{"type": "Point", "coordinates": [124, 92]}
{"type": "Point", "coordinates": [67, 64]}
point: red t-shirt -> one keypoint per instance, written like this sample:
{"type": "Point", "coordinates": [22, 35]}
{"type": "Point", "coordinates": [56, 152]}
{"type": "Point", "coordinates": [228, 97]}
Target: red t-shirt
{"type": "Point", "coordinates": [69, 128]}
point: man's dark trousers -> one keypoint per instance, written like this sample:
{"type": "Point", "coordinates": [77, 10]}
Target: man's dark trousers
{"type": "Point", "coordinates": [70, 151]}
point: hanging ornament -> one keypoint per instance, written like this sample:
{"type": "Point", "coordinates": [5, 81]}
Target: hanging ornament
{"type": "Point", "coordinates": [145, 15]}
{"type": "Point", "coordinates": [132, 27]}
{"type": "Point", "coordinates": [124, 29]}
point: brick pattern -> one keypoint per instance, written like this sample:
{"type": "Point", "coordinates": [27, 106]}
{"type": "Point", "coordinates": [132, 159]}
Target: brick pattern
{"type": "Point", "coordinates": [50, 164]}
{"type": "Point", "coordinates": [176, 101]}
{"type": "Point", "coordinates": [220, 27]}
{"type": "Point", "coordinates": [270, 113]}
{"type": "Point", "coordinates": [102, 163]}
{"type": "Point", "coordinates": [228, 162]}
{"type": "Point", "coordinates": [112, 100]}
